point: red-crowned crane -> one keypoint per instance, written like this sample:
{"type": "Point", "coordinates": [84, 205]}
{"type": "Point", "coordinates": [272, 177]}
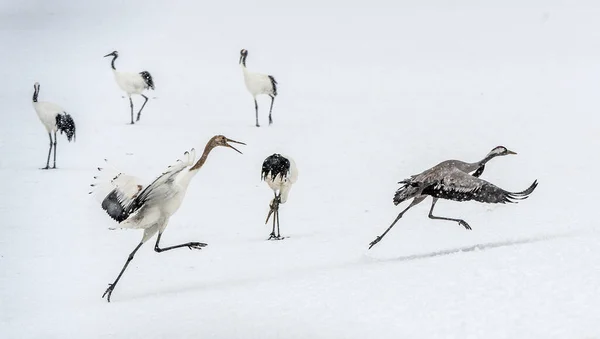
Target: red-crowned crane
{"type": "Point", "coordinates": [132, 83]}
{"type": "Point", "coordinates": [451, 180]}
{"type": "Point", "coordinates": [149, 208]}
{"type": "Point", "coordinates": [258, 84]}
{"type": "Point", "coordinates": [280, 173]}
{"type": "Point", "coordinates": [54, 118]}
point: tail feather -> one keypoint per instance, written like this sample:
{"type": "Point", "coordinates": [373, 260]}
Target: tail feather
{"type": "Point", "coordinates": [407, 191]}
{"type": "Point", "coordinates": [148, 79]}
{"type": "Point", "coordinates": [274, 85]}
{"type": "Point", "coordinates": [66, 124]}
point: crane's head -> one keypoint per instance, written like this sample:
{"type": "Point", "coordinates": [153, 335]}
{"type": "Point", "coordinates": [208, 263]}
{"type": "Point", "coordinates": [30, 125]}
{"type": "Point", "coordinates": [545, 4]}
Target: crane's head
{"type": "Point", "coordinates": [221, 140]}
{"type": "Point", "coordinates": [501, 150]}
{"type": "Point", "coordinates": [113, 53]}
{"type": "Point", "coordinates": [243, 55]}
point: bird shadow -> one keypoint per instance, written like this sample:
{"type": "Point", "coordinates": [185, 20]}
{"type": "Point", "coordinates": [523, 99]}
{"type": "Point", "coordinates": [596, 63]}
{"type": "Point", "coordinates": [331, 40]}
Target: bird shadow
{"type": "Point", "coordinates": [363, 260]}
{"type": "Point", "coordinates": [479, 247]}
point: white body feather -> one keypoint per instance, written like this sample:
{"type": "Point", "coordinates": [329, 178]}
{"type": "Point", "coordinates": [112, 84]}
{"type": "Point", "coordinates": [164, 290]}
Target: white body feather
{"type": "Point", "coordinates": [47, 113]}
{"type": "Point", "coordinates": [257, 83]}
{"type": "Point", "coordinates": [131, 83]}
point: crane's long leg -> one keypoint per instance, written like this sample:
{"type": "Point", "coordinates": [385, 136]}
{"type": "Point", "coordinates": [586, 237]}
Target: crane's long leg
{"type": "Point", "coordinates": [49, 151]}
{"type": "Point", "coordinates": [459, 221]}
{"type": "Point", "coordinates": [256, 110]}
{"type": "Point", "coordinates": [275, 212]}
{"type": "Point", "coordinates": [54, 166]}
{"type": "Point", "coordinates": [414, 202]}
{"type": "Point", "coordinates": [111, 287]}
{"type": "Point", "coordinates": [190, 245]}
{"type": "Point", "coordinates": [271, 109]}
{"type": "Point", "coordinates": [140, 112]}
{"type": "Point", "coordinates": [131, 106]}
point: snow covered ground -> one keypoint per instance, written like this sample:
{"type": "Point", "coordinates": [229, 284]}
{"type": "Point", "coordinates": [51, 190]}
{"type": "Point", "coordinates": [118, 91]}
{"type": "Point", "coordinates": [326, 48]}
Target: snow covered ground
{"type": "Point", "coordinates": [367, 97]}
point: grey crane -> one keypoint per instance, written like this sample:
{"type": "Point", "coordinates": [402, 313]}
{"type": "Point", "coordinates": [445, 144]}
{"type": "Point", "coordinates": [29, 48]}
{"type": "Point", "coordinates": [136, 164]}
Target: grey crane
{"type": "Point", "coordinates": [451, 180]}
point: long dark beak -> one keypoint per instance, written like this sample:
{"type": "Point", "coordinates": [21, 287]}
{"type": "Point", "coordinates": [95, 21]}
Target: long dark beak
{"type": "Point", "coordinates": [511, 152]}
{"type": "Point", "coordinates": [109, 54]}
{"type": "Point", "coordinates": [235, 142]}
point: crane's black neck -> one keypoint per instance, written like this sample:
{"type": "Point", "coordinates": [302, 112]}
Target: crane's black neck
{"type": "Point", "coordinates": [35, 93]}
{"type": "Point", "coordinates": [112, 63]}
{"type": "Point", "coordinates": [243, 59]}
{"type": "Point", "coordinates": [487, 158]}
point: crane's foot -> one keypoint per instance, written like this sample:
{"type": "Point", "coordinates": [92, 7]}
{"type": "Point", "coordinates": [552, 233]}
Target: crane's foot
{"type": "Point", "coordinates": [464, 223]}
{"type": "Point", "coordinates": [108, 292]}
{"type": "Point", "coordinates": [196, 245]}
{"type": "Point", "coordinates": [270, 121]}
{"type": "Point", "coordinates": [257, 125]}
{"type": "Point", "coordinates": [45, 167]}
{"type": "Point", "coordinates": [273, 237]}
{"type": "Point", "coordinates": [374, 242]}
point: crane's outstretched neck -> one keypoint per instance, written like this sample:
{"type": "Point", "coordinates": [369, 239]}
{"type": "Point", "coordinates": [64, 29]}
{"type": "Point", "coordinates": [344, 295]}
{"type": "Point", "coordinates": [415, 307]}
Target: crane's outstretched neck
{"type": "Point", "coordinates": [487, 158]}
{"type": "Point", "coordinates": [35, 93]}
{"type": "Point", "coordinates": [209, 147]}
{"type": "Point", "coordinates": [112, 63]}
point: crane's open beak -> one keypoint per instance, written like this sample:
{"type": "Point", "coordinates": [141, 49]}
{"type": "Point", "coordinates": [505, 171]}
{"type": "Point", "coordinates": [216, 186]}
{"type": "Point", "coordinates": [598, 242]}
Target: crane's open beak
{"type": "Point", "coordinates": [511, 152]}
{"type": "Point", "coordinates": [235, 142]}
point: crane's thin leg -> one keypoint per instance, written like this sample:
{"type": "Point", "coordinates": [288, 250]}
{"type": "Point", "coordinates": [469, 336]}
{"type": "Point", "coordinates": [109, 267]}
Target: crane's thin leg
{"type": "Point", "coordinates": [271, 109]}
{"type": "Point", "coordinates": [131, 106]}
{"type": "Point", "coordinates": [275, 212]}
{"type": "Point", "coordinates": [140, 112]}
{"type": "Point", "coordinates": [459, 221]}
{"type": "Point", "coordinates": [111, 287]}
{"type": "Point", "coordinates": [256, 110]}
{"type": "Point", "coordinates": [54, 166]}
{"type": "Point", "coordinates": [414, 202]}
{"type": "Point", "coordinates": [190, 245]}
{"type": "Point", "coordinates": [49, 151]}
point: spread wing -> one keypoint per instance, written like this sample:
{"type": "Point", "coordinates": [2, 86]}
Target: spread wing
{"type": "Point", "coordinates": [115, 191]}
{"type": "Point", "coordinates": [460, 186]}
{"type": "Point", "coordinates": [158, 190]}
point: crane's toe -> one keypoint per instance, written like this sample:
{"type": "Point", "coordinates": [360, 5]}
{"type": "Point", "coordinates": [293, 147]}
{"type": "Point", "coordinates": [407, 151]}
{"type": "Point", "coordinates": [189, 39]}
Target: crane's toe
{"type": "Point", "coordinates": [374, 242]}
{"type": "Point", "coordinates": [464, 223]}
{"type": "Point", "coordinates": [196, 245]}
{"type": "Point", "coordinates": [108, 292]}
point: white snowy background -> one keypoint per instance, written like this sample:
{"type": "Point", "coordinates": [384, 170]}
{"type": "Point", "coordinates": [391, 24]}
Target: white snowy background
{"type": "Point", "coordinates": [369, 93]}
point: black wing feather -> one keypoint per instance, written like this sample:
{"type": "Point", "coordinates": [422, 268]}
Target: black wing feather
{"type": "Point", "coordinates": [275, 165]}
{"type": "Point", "coordinates": [274, 84]}
{"type": "Point", "coordinates": [66, 124]}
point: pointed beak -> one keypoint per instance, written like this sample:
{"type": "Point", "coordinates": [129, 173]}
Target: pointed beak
{"type": "Point", "coordinates": [511, 152]}
{"type": "Point", "coordinates": [235, 142]}
{"type": "Point", "coordinates": [269, 216]}
{"type": "Point", "coordinates": [109, 54]}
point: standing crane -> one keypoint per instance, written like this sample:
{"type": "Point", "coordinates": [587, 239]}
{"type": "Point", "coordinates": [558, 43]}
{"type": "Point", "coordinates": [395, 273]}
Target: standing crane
{"type": "Point", "coordinates": [451, 180]}
{"type": "Point", "coordinates": [280, 173]}
{"type": "Point", "coordinates": [258, 84]}
{"type": "Point", "coordinates": [54, 118]}
{"type": "Point", "coordinates": [149, 208]}
{"type": "Point", "coordinates": [132, 83]}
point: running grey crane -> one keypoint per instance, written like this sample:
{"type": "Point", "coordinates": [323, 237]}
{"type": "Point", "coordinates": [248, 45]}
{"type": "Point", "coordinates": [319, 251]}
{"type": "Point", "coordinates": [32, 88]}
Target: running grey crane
{"type": "Point", "coordinates": [149, 208]}
{"type": "Point", "coordinates": [132, 83]}
{"type": "Point", "coordinates": [280, 173]}
{"type": "Point", "coordinates": [258, 84]}
{"type": "Point", "coordinates": [451, 180]}
{"type": "Point", "coordinates": [54, 118]}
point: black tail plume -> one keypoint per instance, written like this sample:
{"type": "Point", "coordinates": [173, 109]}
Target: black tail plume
{"type": "Point", "coordinates": [66, 124]}
{"type": "Point", "coordinates": [274, 84]}
{"type": "Point", "coordinates": [148, 79]}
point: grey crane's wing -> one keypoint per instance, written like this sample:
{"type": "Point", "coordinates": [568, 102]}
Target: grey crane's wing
{"type": "Point", "coordinates": [159, 189]}
{"type": "Point", "coordinates": [460, 186]}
